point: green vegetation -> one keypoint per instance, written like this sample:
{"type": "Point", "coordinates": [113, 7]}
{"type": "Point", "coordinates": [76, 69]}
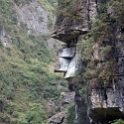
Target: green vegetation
{"type": "Point", "coordinates": [70, 10]}
{"type": "Point", "coordinates": [98, 50]}
{"type": "Point", "coordinates": [119, 121]}
{"type": "Point", "coordinates": [49, 6]}
{"type": "Point", "coordinates": [26, 79]}
{"type": "Point", "coordinates": [70, 114]}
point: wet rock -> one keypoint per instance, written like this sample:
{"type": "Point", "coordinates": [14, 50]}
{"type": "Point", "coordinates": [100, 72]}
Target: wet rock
{"type": "Point", "coordinates": [80, 110]}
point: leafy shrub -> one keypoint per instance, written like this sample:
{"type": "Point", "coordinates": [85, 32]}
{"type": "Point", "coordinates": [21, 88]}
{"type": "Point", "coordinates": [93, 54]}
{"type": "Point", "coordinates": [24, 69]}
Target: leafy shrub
{"type": "Point", "coordinates": [71, 114]}
{"type": "Point", "coordinates": [119, 121]}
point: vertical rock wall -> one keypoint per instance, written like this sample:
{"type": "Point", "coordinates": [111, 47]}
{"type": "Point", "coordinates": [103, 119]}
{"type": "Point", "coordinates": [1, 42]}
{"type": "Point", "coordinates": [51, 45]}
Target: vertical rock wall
{"type": "Point", "coordinates": [108, 101]}
{"type": "Point", "coordinates": [104, 105]}
{"type": "Point", "coordinates": [33, 16]}
{"type": "Point", "coordinates": [5, 38]}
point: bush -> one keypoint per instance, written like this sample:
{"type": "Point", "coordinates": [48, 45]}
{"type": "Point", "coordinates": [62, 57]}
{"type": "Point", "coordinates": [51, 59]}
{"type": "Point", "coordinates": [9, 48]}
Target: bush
{"type": "Point", "coordinates": [119, 121]}
{"type": "Point", "coordinates": [71, 114]}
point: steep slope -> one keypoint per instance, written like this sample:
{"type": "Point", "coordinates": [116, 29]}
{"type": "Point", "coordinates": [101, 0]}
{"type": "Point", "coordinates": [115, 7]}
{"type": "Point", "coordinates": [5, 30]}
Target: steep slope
{"type": "Point", "coordinates": [26, 80]}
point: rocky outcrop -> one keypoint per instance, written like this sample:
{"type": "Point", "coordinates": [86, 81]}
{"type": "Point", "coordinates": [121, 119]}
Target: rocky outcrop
{"type": "Point", "coordinates": [67, 98]}
{"type": "Point", "coordinates": [104, 104]}
{"type": "Point", "coordinates": [59, 118]}
{"type": "Point", "coordinates": [69, 27]}
{"type": "Point", "coordinates": [108, 100]}
{"type": "Point", "coordinates": [68, 62]}
{"type": "Point", "coordinates": [66, 26]}
{"type": "Point", "coordinates": [80, 110]}
{"type": "Point", "coordinates": [5, 38]}
{"type": "Point", "coordinates": [33, 16]}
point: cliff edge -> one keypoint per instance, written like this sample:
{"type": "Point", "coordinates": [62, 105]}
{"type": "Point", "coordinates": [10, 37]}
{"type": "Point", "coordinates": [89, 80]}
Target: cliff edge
{"type": "Point", "coordinates": [92, 56]}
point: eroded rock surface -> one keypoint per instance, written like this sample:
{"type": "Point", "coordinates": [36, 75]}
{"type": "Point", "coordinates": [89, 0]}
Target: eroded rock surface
{"type": "Point", "coordinates": [33, 16]}
{"type": "Point", "coordinates": [5, 38]}
{"type": "Point", "coordinates": [104, 104]}
{"type": "Point", "coordinates": [67, 98]}
{"type": "Point", "coordinates": [59, 118]}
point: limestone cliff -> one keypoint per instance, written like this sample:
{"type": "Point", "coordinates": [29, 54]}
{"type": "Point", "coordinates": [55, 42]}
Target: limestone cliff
{"type": "Point", "coordinates": [104, 60]}
{"type": "Point", "coordinates": [33, 16]}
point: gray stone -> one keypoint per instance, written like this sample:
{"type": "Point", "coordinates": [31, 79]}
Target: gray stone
{"type": "Point", "coordinates": [67, 97]}
{"type": "Point", "coordinates": [5, 38]}
{"type": "Point", "coordinates": [104, 104]}
{"type": "Point", "coordinates": [59, 118]}
{"type": "Point", "coordinates": [34, 16]}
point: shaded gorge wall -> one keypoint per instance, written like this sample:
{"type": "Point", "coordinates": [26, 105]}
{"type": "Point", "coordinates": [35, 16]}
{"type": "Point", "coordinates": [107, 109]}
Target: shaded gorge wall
{"type": "Point", "coordinates": [91, 32]}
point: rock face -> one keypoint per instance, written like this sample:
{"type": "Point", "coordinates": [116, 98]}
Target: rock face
{"type": "Point", "coordinates": [109, 100]}
{"type": "Point", "coordinates": [61, 117]}
{"type": "Point", "coordinates": [65, 25]}
{"type": "Point", "coordinates": [5, 38]}
{"type": "Point", "coordinates": [33, 16]}
{"type": "Point", "coordinates": [35, 19]}
{"type": "Point", "coordinates": [69, 32]}
{"type": "Point", "coordinates": [104, 104]}
{"type": "Point", "coordinates": [80, 110]}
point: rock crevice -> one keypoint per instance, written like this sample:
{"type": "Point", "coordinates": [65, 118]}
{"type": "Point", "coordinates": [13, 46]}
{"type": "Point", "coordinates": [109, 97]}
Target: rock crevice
{"type": "Point", "coordinates": [107, 101]}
